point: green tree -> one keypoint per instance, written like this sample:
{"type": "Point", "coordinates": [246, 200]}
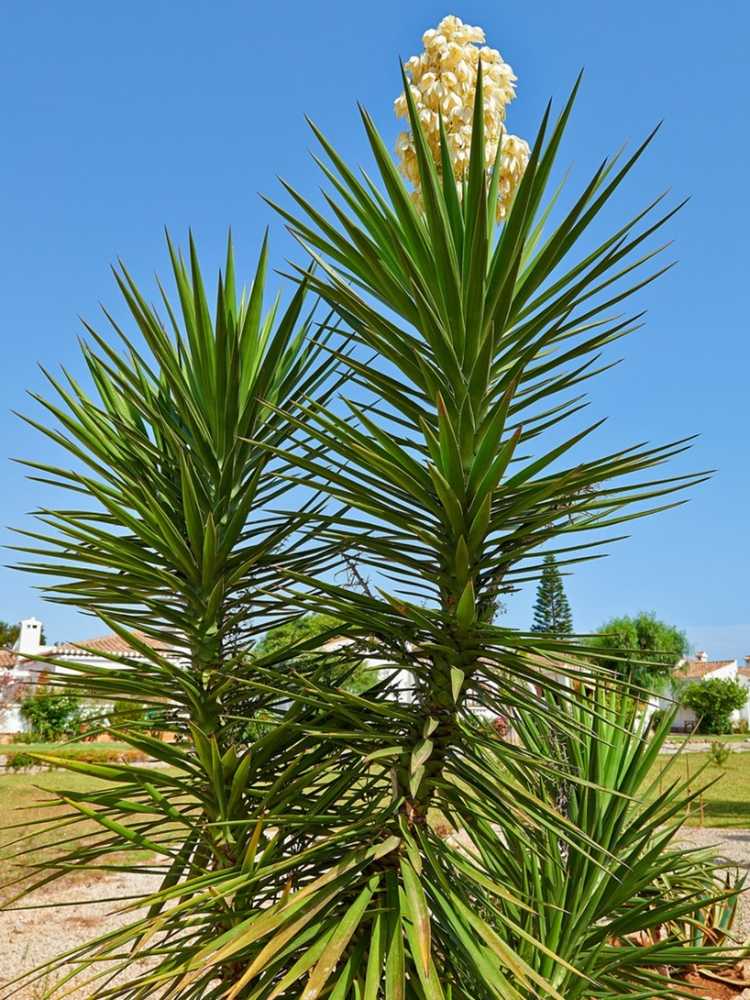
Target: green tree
{"type": "Point", "coordinates": [306, 629]}
{"type": "Point", "coordinates": [640, 648]}
{"type": "Point", "coordinates": [298, 630]}
{"type": "Point", "coordinates": [8, 635]}
{"type": "Point", "coordinates": [551, 610]}
{"type": "Point", "coordinates": [52, 715]}
{"type": "Point", "coordinates": [713, 701]}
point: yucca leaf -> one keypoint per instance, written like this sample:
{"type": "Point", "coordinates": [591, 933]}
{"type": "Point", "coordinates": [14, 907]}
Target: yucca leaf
{"type": "Point", "coordinates": [338, 942]}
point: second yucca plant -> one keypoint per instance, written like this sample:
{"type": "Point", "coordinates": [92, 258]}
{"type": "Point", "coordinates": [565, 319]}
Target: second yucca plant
{"type": "Point", "coordinates": [178, 546]}
{"type": "Point", "coordinates": [637, 906]}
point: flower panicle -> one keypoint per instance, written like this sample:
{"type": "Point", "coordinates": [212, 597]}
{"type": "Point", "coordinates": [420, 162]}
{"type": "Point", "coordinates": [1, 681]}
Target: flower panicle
{"type": "Point", "coordinates": [443, 83]}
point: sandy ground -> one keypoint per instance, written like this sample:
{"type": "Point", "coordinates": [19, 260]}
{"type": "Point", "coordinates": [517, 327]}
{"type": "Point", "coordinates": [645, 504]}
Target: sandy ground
{"type": "Point", "coordinates": [732, 846]}
{"type": "Point", "coordinates": [28, 938]}
{"type": "Point", "coordinates": [31, 937]}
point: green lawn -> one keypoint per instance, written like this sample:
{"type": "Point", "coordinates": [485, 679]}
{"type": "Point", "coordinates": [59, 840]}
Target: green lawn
{"type": "Point", "coordinates": [25, 799]}
{"type": "Point", "coordinates": [23, 791]}
{"type": "Point", "coordinates": [22, 797]}
{"type": "Point", "coordinates": [727, 802]}
{"type": "Point", "coordinates": [58, 748]}
{"type": "Point", "coordinates": [709, 738]}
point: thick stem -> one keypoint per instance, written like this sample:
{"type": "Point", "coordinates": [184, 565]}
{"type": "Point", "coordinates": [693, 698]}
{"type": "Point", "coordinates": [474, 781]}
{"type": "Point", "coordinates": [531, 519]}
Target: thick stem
{"type": "Point", "coordinates": [435, 732]}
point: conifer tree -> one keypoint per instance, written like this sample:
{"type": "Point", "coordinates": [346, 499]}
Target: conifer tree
{"type": "Point", "coordinates": [551, 610]}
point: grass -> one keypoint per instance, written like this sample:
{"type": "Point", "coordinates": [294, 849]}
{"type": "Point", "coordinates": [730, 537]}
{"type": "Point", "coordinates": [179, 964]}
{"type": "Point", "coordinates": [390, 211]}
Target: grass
{"type": "Point", "coordinates": [727, 802]}
{"type": "Point", "coordinates": [72, 749]}
{"type": "Point", "coordinates": [22, 796]}
{"type": "Point", "coordinates": [22, 791]}
{"type": "Point", "coordinates": [709, 737]}
{"type": "Point", "coordinates": [25, 799]}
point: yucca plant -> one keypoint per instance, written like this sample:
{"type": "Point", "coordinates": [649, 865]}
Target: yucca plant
{"type": "Point", "coordinates": [174, 544]}
{"type": "Point", "coordinates": [311, 864]}
{"type": "Point", "coordinates": [471, 337]}
{"type": "Point", "coordinates": [636, 908]}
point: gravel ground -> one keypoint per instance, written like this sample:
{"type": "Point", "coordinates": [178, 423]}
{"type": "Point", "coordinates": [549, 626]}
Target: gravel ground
{"type": "Point", "coordinates": [28, 938]}
{"type": "Point", "coordinates": [733, 847]}
{"type": "Point", "coordinates": [31, 937]}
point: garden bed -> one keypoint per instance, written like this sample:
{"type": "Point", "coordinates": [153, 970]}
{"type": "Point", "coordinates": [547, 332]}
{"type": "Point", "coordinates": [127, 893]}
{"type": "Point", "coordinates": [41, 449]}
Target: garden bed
{"type": "Point", "coordinates": [711, 989]}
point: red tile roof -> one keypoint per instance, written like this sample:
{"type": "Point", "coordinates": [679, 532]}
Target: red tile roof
{"type": "Point", "coordinates": [699, 668]}
{"type": "Point", "coordinates": [112, 644]}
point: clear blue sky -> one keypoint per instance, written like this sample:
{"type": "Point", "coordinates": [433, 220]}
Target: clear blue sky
{"type": "Point", "coordinates": [119, 119]}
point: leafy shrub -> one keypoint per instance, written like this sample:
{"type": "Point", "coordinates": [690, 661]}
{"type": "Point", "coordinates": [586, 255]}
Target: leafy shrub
{"type": "Point", "coordinates": [25, 738]}
{"type": "Point", "coordinates": [91, 754]}
{"type": "Point", "coordinates": [719, 752]}
{"type": "Point", "coordinates": [52, 716]}
{"type": "Point", "coordinates": [742, 726]}
{"type": "Point", "coordinates": [304, 631]}
{"type": "Point", "coordinates": [259, 726]}
{"type": "Point", "coordinates": [713, 701]}
{"type": "Point", "coordinates": [142, 716]}
{"type": "Point", "coordinates": [101, 755]}
{"type": "Point", "coordinates": [19, 761]}
{"type": "Point", "coordinates": [128, 711]}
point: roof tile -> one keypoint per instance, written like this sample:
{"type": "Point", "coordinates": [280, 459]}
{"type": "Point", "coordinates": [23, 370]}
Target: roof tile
{"type": "Point", "coordinates": [699, 668]}
{"type": "Point", "coordinates": [111, 643]}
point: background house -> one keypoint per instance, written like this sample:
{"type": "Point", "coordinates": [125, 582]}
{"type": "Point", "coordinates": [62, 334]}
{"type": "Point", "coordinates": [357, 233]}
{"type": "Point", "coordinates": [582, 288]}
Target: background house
{"type": "Point", "coordinates": [700, 668]}
{"type": "Point", "coordinates": [24, 667]}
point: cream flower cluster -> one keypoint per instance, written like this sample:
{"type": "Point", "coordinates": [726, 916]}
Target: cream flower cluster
{"type": "Point", "coordinates": [443, 82]}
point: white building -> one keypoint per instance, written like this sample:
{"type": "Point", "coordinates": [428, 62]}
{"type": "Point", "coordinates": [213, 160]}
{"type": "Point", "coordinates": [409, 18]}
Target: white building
{"type": "Point", "coordinates": [702, 669]}
{"type": "Point", "coordinates": [24, 667]}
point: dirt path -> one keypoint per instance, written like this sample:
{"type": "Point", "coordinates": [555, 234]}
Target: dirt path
{"type": "Point", "coordinates": [28, 938]}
